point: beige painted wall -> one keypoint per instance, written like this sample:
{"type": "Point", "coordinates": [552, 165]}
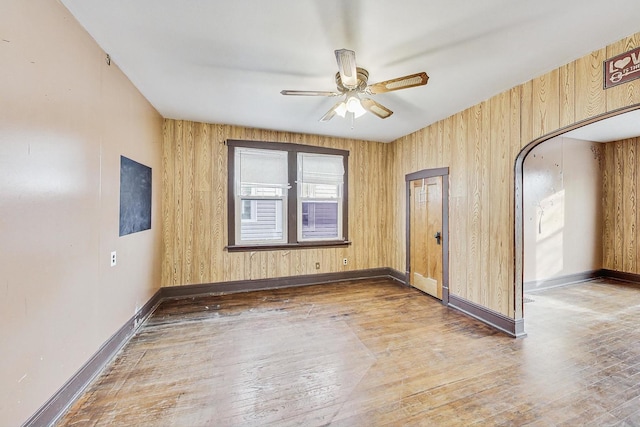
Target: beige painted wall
{"type": "Point", "coordinates": [562, 210]}
{"type": "Point", "coordinates": [65, 119]}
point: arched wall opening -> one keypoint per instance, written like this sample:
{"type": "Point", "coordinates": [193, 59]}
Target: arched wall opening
{"type": "Point", "coordinates": [519, 218]}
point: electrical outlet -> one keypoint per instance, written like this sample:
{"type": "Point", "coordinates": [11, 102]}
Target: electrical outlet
{"type": "Point", "coordinates": [317, 266]}
{"type": "Point", "coordinates": [344, 261]}
{"type": "Point", "coordinates": [113, 259]}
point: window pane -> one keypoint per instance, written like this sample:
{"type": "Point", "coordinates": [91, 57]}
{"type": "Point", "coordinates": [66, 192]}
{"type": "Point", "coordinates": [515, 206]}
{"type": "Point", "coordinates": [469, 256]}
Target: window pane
{"type": "Point", "coordinates": [267, 223]}
{"type": "Point", "coordinates": [248, 210]}
{"type": "Point", "coordinates": [319, 220]}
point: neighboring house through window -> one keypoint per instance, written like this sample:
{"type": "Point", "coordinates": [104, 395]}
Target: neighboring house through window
{"type": "Point", "coordinates": [283, 195]}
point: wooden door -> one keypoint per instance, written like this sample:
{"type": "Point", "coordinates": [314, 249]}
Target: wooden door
{"type": "Point", "coordinates": [425, 238]}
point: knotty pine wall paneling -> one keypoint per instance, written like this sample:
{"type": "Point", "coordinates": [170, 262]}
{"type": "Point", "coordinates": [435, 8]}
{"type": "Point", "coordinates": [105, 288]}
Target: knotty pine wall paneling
{"type": "Point", "coordinates": [629, 205]}
{"type": "Point", "coordinates": [500, 173]}
{"type": "Point", "coordinates": [546, 101]}
{"type": "Point", "coordinates": [567, 80]}
{"type": "Point", "coordinates": [168, 194]}
{"type": "Point", "coordinates": [480, 146]}
{"type": "Point", "coordinates": [194, 212]}
{"type": "Point", "coordinates": [474, 194]}
{"type": "Point", "coordinates": [608, 212]}
{"type": "Point", "coordinates": [458, 204]}
{"type": "Point", "coordinates": [618, 231]}
{"type": "Point", "coordinates": [590, 96]}
{"type": "Point", "coordinates": [620, 192]}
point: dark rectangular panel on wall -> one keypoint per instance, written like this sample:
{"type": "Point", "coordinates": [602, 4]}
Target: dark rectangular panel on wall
{"type": "Point", "coordinates": [135, 196]}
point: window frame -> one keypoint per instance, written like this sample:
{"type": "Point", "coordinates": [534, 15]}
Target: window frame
{"type": "Point", "coordinates": [292, 196]}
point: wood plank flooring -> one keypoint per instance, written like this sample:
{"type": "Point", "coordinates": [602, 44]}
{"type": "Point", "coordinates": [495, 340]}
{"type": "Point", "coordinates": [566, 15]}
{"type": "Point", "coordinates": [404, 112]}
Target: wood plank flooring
{"type": "Point", "coordinates": [369, 353]}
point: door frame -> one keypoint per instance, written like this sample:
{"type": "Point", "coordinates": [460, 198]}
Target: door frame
{"type": "Point", "coordinates": [423, 174]}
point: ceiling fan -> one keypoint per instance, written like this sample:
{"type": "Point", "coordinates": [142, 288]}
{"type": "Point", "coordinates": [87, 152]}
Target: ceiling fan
{"type": "Point", "coordinates": [352, 81]}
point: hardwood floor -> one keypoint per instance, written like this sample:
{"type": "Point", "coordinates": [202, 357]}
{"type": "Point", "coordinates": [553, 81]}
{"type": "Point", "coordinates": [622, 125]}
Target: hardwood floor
{"type": "Point", "coordinates": [371, 353]}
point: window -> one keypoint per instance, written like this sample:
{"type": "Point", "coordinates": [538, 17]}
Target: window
{"type": "Point", "coordinates": [284, 195]}
{"type": "Point", "coordinates": [261, 188]}
{"type": "Point", "coordinates": [319, 197]}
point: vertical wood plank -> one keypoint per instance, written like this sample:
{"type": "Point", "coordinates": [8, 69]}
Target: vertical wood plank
{"type": "Point", "coordinates": [590, 99]}
{"type": "Point", "coordinates": [629, 206]}
{"type": "Point", "coordinates": [514, 293]}
{"type": "Point", "coordinates": [430, 148]}
{"type": "Point", "coordinates": [178, 249]}
{"type": "Point", "coordinates": [499, 224]}
{"type": "Point", "coordinates": [219, 233]}
{"type": "Point", "coordinates": [458, 239]}
{"type": "Point", "coordinates": [188, 198]}
{"type": "Point", "coordinates": [636, 249]}
{"type": "Point", "coordinates": [441, 161]}
{"type": "Point", "coordinates": [608, 205]}
{"type": "Point", "coordinates": [545, 105]}
{"type": "Point", "coordinates": [567, 94]}
{"type": "Point", "coordinates": [618, 237]}
{"type": "Point", "coordinates": [486, 298]}
{"type": "Point", "coordinates": [526, 113]}
{"type": "Point", "coordinates": [203, 221]}
{"type": "Point", "coordinates": [168, 203]}
{"type": "Point", "coordinates": [397, 249]}
{"type": "Point", "coordinates": [387, 214]}
{"type": "Point", "coordinates": [474, 192]}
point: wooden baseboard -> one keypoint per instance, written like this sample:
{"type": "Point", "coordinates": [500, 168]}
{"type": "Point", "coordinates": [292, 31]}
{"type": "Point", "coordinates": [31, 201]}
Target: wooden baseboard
{"type": "Point", "coordinates": [512, 327]}
{"type": "Point", "coordinates": [535, 285]}
{"type": "Point", "coordinates": [276, 283]}
{"type": "Point", "coordinates": [619, 275]}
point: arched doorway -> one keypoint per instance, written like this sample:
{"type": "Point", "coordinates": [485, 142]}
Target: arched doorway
{"type": "Point", "coordinates": [612, 124]}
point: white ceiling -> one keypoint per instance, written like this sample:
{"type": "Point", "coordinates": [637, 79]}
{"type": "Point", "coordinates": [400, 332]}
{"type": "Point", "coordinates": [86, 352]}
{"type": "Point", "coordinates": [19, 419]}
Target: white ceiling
{"type": "Point", "coordinates": [615, 128]}
{"type": "Point", "coordinates": [221, 61]}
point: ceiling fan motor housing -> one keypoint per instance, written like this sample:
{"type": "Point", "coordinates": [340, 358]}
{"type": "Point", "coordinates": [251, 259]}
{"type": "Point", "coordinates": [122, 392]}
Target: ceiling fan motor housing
{"type": "Point", "coordinates": [363, 77]}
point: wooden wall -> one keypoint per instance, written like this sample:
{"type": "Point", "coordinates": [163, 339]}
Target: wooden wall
{"type": "Point", "coordinates": [480, 146]}
{"type": "Point", "coordinates": [194, 208]}
{"type": "Point", "coordinates": [620, 192]}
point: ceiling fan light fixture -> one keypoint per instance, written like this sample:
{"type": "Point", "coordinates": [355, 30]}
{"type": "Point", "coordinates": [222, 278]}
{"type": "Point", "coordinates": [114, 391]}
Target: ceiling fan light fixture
{"type": "Point", "coordinates": [353, 105]}
{"type": "Point", "coordinates": [341, 109]}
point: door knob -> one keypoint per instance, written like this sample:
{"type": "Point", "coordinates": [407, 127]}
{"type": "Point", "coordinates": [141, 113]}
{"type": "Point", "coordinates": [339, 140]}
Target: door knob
{"type": "Point", "coordinates": [438, 236]}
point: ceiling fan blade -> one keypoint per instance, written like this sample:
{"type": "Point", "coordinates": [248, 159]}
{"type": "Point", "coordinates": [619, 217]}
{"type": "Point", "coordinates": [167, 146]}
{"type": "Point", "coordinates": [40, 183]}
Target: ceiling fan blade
{"type": "Point", "coordinates": [347, 67]}
{"type": "Point", "coordinates": [332, 112]}
{"type": "Point", "coordinates": [405, 82]}
{"type": "Point", "coordinates": [309, 93]}
{"type": "Point", "coordinates": [375, 108]}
